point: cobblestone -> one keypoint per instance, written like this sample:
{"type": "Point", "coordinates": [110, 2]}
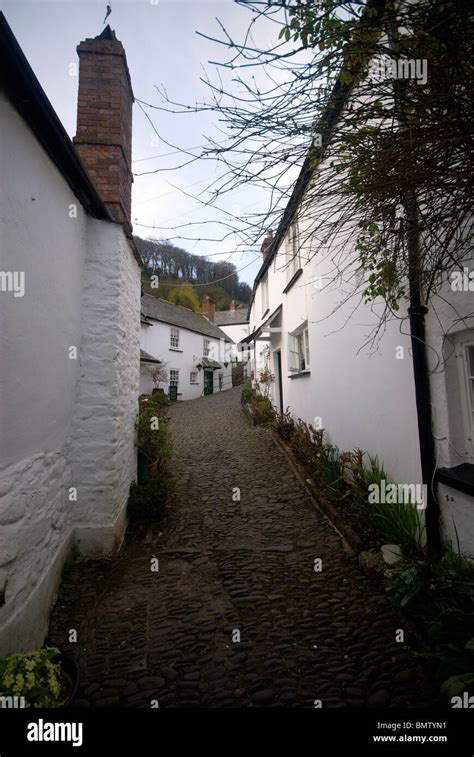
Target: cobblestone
{"type": "Point", "coordinates": [229, 566]}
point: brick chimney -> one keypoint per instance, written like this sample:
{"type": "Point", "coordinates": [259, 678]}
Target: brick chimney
{"type": "Point", "coordinates": [104, 120]}
{"type": "Point", "coordinates": [267, 243]}
{"type": "Point", "coordinates": [208, 308]}
{"type": "Point", "coordinates": [232, 306]}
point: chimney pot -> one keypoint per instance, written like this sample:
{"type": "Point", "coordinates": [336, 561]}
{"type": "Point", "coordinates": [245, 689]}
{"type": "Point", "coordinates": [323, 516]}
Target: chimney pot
{"type": "Point", "coordinates": [267, 243]}
{"type": "Point", "coordinates": [208, 308]}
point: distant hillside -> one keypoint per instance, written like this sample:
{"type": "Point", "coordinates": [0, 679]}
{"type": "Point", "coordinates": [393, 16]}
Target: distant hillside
{"type": "Point", "coordinates": [176, 266]}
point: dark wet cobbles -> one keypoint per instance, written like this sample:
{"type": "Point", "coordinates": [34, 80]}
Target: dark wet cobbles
{"type": "Point", "coordinates": [231, 570]}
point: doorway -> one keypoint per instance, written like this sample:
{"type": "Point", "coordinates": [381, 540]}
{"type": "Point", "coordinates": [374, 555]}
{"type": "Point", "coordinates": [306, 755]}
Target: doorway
{"type": "Point", "coordinates": [208, 382]}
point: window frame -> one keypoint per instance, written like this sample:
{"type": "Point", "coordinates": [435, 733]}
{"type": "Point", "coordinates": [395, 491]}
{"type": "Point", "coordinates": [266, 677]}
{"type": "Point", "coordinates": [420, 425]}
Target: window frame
{"type": "Point", "coordinates": [293, 256]}
{"type": "Point", "coordinates": [174, 381]}
{"type": "Point", "coordinates": [196, 379]}
{"type": "Point", "coordinates": [298, 350]}
{"type": "Point", "coordinates": [206, 347]}
{"type": "Point", "coordinates": [174, 336]}
{"type": "Point", "coordinates": [265, 295]}
{"type": "Point", "coordinates": [467, 391]}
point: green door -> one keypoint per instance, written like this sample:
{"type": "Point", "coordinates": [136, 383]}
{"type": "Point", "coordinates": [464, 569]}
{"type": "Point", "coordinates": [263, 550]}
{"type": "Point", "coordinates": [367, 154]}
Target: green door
{"type": "Point", "coordinates": [208, 382]}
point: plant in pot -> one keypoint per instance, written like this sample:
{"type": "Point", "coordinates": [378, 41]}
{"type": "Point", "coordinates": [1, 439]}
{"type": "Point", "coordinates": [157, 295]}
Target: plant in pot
{"type": "Point", "coordinates": [42, 678]}
{"type": "Point", "coordinates": [151, 428]}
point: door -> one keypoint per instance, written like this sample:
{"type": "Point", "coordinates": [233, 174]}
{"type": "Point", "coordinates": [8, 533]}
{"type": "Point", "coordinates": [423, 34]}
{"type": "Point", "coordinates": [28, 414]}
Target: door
{"type": "Point", "coordinates": [208, 382]}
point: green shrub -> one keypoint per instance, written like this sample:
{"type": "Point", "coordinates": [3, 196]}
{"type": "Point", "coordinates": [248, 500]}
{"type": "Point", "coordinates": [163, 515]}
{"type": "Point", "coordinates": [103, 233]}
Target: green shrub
{"type": "Point", "coordinates": [384, 523]}
{"type": "Point", "coordinates": [147, 500]}
{"type": "Point", "coordinates": [306, 445]}
{"type": "Point", "coordinates": [284, 425]}
{"type": "Point", "coordinates": [330, 468]}
{"type": "Point", "coordinates": [262, 408]}
{"type": "Point", "coordinates": [247, 392]}
{"type": "Point", "coordinates": [153, 436]}
{"type": "Point", "coordinates": [437, 596]}
{"type": "Point", "coordinates": [34, 676]}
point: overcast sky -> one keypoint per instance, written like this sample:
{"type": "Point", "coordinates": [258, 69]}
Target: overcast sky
{"type": "Point", "coordinates": [162, 49]}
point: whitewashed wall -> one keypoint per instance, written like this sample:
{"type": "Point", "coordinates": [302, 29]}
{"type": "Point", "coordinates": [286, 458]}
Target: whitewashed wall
{"type": "Point", "coordinates": [354, 390]}
{"type": "Point", "coordinates": [156, 341]}
{"type": "Point", "coordinates": [363, 394]}
{"type": "Point", "coordinates": [60, 419]}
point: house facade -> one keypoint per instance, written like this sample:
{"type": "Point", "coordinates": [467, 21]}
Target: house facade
{"type": "Point", "coordinates": [70, 336]}
{"type": "Point", "coordinates": [316, 340]}
{"type": "Point", "coordinates": [194, 355]}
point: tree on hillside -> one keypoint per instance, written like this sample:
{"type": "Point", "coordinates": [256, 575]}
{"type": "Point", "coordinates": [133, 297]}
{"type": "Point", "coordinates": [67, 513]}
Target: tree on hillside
{"type": "Point", "coordinates": [185, 296]}
{"type": "Point", "coordinates": [175, 264]}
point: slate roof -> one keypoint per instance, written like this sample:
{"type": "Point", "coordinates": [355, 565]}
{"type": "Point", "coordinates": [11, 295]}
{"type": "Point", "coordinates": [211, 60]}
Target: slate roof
{"type": "Point", "coordinates": [145, 357]}
{"type": "Point", "coordinates": [176, 315]}
{"type": "Point", "coordinates": [231, 318]}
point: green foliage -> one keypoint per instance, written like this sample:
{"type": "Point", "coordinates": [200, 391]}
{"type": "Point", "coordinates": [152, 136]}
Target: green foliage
{"type": "Point", "coordinates": [34, 676]}
{"type": "Point", "coordinates": [153, 436]}
{"type": "Point", "coordinates": [437, 596]}
{"type": "Point", "coordinates": [456, 684]}
{"type": "Point", "coordinates": [262, 408]}
{"type": "Point", "coordinates": [247, 392]}
{"type": "Point", "coordinates": [186, 296]}
{"type": "Point", "coordinates": [306, 445]}
{"type": "Point", "coordinates": [284, 425]}
{"type": "Point", "coordinates": [330, 467]}
{"type": "Point", "coordinates": [147, 500]}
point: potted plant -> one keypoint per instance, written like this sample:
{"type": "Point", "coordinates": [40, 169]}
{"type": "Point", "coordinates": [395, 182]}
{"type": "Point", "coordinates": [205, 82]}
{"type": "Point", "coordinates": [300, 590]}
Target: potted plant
{"type": "Point", "coordinates": [41, 678]}
{"type": "Point", "coordinates": [151, 429]}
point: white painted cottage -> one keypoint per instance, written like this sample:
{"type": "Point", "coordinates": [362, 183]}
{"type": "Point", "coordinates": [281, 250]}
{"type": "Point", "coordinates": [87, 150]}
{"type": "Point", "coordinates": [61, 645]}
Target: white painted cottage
{"type": "Point", "coordinates": [315, 339]}
{"type": "Point", "coordinates": [195, 354]}
{"type": "Point", "coordinates": [70, 334]}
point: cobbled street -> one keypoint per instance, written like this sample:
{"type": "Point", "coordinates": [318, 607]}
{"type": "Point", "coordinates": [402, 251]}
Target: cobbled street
{"type": "Point", "coordinates": [230, 568]}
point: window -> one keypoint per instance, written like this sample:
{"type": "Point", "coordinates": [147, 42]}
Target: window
{"type": "Point", "coordinates": [174, 378]}
{"type": "Point", "coordinates": [206, 347]}
{"type": "Point", "coordinates": [468, 349]}
{"type": "Point", "coordinates": [174, 338]}
{"type": "Point", "coordinates": [458, 353]}
{"type": "Point", "coordinates": [292, 251]}
{"type": "Point", "coordinates": [298, 349]}
{"type": "Point", "coordinates": [193, 377]}
{"type": "Point", "coordinates": [264, 287]}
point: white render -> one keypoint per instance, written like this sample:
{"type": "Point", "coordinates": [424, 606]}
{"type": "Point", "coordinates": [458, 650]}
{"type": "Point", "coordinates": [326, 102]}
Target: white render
{"type": "Point", "coordinates": [363, 395]}
{"type": "Point", "coordinates": [64, 422]}
{"type": "Point", "coordinates": [155, 340]}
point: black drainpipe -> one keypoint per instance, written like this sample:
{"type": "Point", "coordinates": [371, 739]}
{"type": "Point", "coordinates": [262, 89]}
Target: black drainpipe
{"type": "Point", "coordinates": [417, 312]}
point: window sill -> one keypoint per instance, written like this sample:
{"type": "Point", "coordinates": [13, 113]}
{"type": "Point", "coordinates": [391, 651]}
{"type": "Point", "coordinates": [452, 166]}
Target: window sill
{"type": "Point", "coordinates": [461, 478]}
{"type": "Point", "coordinates": [175, 349]}
{"type": "Point", "coordinates": [294, 278]}
{"type": "Point", "coordinates": [298, 374]}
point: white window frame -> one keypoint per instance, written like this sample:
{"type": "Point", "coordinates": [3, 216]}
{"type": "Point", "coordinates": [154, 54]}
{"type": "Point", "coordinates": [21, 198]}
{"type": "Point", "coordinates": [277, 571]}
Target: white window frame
{"type": "Point", "coordinates": [193, 377]}
{"type": "Point", "coordinates": [298, 349]}
{"type": "Point", "coordinates": [265, 300]}
{"type": "Point", "coordinates": [174, 338]}
{"type": "Point", "coordinates": [293, 258]}
{"type": "Point", "coordinates": [206, 347]}
{"type": "Point", "coordinates": [466, 380]}
{"type": "Point", "coordinates": [174, 377]}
